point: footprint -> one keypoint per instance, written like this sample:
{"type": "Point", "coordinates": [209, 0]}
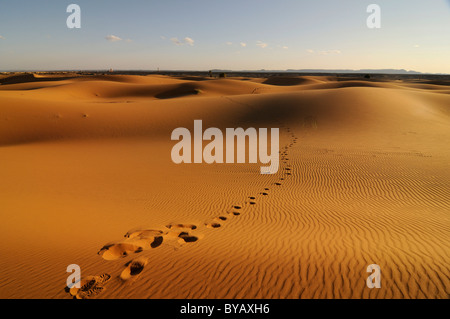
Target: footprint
{"type": "Point", "coordinates": [234, 213]}
{"type": "Point", "coordinates": [119, 250]}
{"type": "Point", "coordinates": [180, 232]}
{"type": "Point", "coordinates": [213, 225]}
{"type": "Point", "coordinates": [216, 222]}
{"type": "Point", "coordinates": [251, 201]}
{"type": "Point", "coordinates": [185, 237]}
{"type": "Point", "coordinates": [137, 240]}
{"type": "Point", "coordinates": [150, 236]}
{"type": "Point", "coordinates": [181, 226]}
{"type": "Point", "coordinates": [143, 233]}
{"type": "Point", "coordinates": [133, 268]}
{"type": "Point", "coordinates": [264, 194]}
{"type": "Point", "coordinates": [90, 286]}
{"type": "Point", "coordinates": [157, 241]}
{"type": "Point", "coordinates": [278, 184]}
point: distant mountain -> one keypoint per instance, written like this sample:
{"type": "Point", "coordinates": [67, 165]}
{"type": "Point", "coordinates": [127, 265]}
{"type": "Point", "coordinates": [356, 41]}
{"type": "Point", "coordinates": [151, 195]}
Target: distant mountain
{"type": "Point", "coordinates": [345, 71]}
{"type": "Point", "coordinates": [380, 71]}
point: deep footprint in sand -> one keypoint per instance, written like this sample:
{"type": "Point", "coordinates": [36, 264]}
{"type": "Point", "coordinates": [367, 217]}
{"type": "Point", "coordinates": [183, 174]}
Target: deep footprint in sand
{"type": "Point", "coordinates": [150, 236]}
{"type": "Point", "coordinates": [137, 240]}
{"type": "Point", "coordinates": [181, 233]}
{"type": "Point", "coordinates": [133, 268]}
{"type": "Point", "coordinates": [185, 237]}
{"type": "Point", "coordinates": [120, 250]}
{"type": "Point", "coordinates": [90, 286]}
{"type": "Point", "coordinates": [213, 225]}
{"type": "Point", "coordinates": [157, 241]}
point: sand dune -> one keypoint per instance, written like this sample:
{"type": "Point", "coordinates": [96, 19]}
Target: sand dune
{"type": "Point", "coordinates": [87, 179]}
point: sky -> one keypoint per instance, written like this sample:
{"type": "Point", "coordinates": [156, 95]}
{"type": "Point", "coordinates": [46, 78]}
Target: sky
{"type": "Point", "coordinates": [225, 34]}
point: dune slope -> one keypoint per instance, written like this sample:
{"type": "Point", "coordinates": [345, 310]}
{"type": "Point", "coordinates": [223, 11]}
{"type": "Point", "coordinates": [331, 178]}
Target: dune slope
{"type": "Point", "coordinates": [87, 179]}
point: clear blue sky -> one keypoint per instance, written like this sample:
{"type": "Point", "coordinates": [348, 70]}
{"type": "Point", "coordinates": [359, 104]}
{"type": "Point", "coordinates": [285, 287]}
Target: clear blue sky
{"type": "Point", "coordinates": [227, 34]}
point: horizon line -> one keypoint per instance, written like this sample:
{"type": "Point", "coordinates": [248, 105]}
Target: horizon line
{"type": "Point", "coordinates": [325, 71]}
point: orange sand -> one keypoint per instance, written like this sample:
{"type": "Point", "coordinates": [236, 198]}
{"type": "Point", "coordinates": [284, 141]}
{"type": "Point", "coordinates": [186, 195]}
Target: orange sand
{"type": "Point", "coordinates": [87, 178]}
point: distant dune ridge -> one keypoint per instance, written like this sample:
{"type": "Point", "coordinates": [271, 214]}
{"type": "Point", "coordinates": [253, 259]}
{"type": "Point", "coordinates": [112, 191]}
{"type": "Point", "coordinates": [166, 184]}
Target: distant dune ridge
{"type": "Point", "coordinates": [87, 179]}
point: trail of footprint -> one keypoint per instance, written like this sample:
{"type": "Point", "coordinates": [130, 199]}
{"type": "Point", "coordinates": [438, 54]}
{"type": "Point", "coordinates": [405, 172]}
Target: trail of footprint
{"type": "Point", "coordinates": [252, 200]}
{"type": "Point", "coordinates": [216, 223]}
{"type": "Point", "coordinates": [138, 240]}
{"type": "Point", "coordinates": [233, 212]}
